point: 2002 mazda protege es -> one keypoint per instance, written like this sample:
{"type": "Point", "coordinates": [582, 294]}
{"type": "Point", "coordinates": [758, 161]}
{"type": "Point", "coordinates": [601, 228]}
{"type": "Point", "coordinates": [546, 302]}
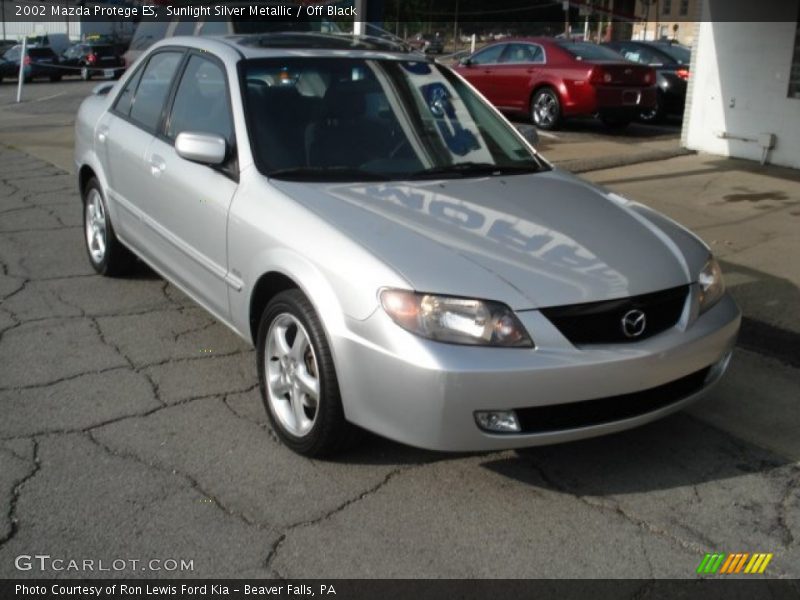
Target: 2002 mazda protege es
{"type": "Point", "coordinates": [400, 256]}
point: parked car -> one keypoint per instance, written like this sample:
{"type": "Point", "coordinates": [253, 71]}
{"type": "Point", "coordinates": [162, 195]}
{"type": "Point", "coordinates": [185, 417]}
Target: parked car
{"type": "Point", "coordinates": [428, 43]}
{"type": "Point", "coordinates": [93, 59]}
{"type": "Point", "coordinates": [39, 63]}
{"type": "Point", "coordinates": [402, 260]}
{"type": "Point", "coordinates": [551, 80]}
{"type": "Point", "coordinates": [671, 62]}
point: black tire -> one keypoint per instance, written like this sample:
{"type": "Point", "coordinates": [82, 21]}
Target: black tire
{"type": "Point", "coordinates": [330, 432]}
{"type": "Point", "coordinates": [27, 79]}
{"type": "Point", "coordinates": [550, 119]}
{"type": "Point", "coordinates": [616, 122]}
{"type": "Point", "coordinates": [86, 73]}
{"type": "Point", "coordinates": [116, 259]}
{"type": "Point", "coordinates": [655, 115]}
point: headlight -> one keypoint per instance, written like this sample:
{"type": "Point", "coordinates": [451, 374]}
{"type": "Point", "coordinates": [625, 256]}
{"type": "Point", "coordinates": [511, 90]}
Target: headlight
{"type": "Point", "coordinates": [455, 320]}
{"type": "Point", "coordinates": [712, 287]}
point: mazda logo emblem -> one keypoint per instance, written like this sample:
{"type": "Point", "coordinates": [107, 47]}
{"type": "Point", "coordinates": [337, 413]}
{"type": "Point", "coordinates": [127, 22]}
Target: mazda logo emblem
{"type": "Point", "coordinates": [633, 323]}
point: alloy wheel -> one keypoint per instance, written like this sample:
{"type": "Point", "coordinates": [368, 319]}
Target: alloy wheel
{"type": "Point", "coordinates": [95, 225]}
{"type": "Point", "coordinates": [545, 110]}
{"type": "Point", "coordinates": [292, 375]}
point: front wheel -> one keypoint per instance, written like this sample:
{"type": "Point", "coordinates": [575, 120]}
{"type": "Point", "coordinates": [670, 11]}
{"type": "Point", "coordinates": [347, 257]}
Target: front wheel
{"type": "Point", "coordinates": [107, 255]}
{"type": "Point", "coordinates": [298, 380]}
{"type": "Point", "coordinates": [546, 109]}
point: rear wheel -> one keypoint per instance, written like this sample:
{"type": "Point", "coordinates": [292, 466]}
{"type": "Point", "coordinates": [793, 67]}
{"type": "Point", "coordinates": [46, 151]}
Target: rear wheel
{"type": "Point", "coordinates": [298, 380]}
{"type": "Point", "coordinates": [546, 109]}
{"type": "Point", "coordinates": [655, 114]}
{"type": "Point", "coordinates": [106, 254]}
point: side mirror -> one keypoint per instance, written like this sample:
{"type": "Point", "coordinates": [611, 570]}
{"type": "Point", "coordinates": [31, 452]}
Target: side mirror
{"type": "Point", "coordinates": [466, 62]}
{"type": "Point", "coordinates": [101, 89]}
{"type": "Point", "coordinates": [529, 133]}
{"type": "Point", "coordinates": [204, 148]}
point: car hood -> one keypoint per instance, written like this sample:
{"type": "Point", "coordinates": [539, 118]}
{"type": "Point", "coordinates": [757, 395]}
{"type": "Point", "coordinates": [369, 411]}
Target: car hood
{"type": "Point", "coordinates": [530, 241]}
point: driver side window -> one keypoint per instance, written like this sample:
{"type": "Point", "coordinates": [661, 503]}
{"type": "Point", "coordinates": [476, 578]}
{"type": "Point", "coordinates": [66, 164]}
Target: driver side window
{"type": "Point", "coordinates": [488, 56]}
{"type": "Point", "coordinates": [201, 102]}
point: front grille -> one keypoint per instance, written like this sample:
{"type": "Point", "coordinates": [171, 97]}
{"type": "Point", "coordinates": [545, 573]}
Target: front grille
{"type": "Point", "coordinates": [601, 322]}
{"type": "Point", "coordinates": [543, 419]}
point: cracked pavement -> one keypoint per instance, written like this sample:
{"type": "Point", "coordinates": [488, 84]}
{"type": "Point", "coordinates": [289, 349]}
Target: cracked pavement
{"type": "Point", "coordinates": [132, 428]}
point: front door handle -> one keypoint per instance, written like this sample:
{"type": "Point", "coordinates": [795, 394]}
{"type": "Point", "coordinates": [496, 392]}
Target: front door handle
{"type": "Point", "coordinates": [157, 165]}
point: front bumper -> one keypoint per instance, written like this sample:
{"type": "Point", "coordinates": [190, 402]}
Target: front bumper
{"type": "Point", "coordinates": [425, 394]}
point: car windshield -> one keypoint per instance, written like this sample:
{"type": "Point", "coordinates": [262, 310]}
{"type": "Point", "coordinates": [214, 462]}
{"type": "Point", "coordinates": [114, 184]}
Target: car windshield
{"type": "Point", "coordinates": [680, 53]}
{"type": "Point", "coordinates": [355, 119]}
{"type": "Point", "coordinates": [586, 51]}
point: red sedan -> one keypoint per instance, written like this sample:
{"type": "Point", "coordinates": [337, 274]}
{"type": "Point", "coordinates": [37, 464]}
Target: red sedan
{"type": "Point", "coordinates": [550, 79]}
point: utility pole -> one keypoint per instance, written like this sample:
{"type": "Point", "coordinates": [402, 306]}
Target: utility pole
{"type": "Point", "coordinates": [455, 29]}
{"type": "Point", "coordinates": [565, 5]}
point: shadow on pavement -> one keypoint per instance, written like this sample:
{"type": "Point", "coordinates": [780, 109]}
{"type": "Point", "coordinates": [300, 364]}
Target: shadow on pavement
{"type": "Point", "coordinates": [676, 452]}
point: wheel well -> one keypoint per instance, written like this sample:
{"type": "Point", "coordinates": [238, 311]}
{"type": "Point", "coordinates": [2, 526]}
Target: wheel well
{"type": "Point", "coordinates": [267, 286]}
{"type": "Point", "coordinates": [84, 175]}
{"type": "Point", "coordinates": [540, 87]}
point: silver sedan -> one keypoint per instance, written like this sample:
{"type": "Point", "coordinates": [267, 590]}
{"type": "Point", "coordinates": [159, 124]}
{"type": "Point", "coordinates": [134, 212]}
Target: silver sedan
{"type": "Point", "coordinates": [402, 259]}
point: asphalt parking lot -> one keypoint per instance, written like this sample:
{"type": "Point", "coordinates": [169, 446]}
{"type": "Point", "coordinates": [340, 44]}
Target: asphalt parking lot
{"type": "Point", "coordinates": [132, 429]}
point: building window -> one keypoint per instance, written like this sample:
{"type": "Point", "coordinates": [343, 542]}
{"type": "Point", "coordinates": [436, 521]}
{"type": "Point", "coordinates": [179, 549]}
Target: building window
{"type": "Point", "coordinates": [683, 9]}
{"type": "Point", "coordinates": [666, 9]}
{"type": "Point", "coordinates": [794, 75]}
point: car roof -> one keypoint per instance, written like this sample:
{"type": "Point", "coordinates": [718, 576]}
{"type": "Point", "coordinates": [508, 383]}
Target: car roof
{"type": "Point", "coordinates": [265, 45]}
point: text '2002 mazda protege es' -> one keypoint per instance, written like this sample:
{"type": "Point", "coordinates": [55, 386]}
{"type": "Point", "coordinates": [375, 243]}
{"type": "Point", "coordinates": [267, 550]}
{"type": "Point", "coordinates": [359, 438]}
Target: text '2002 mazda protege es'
{"type": "Point", "coordinates": [400, 256]}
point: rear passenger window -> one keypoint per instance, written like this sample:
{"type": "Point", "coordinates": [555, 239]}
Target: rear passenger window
{"type": "Point", "coordinates": [153, 88]}
{"type": "Point", "coordinates": [201, 102]}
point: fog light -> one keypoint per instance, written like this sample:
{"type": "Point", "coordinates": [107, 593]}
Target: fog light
{"type": "Point", "coordinates": [718, 368]}
{"type": "Point", "coordinates": [502, 421]}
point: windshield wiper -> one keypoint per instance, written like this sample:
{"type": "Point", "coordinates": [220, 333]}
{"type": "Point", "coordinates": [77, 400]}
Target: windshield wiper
{"type": "Point", "coordinates": [471, 169]}
{"type": "Point", "coordinates": [325, 174]}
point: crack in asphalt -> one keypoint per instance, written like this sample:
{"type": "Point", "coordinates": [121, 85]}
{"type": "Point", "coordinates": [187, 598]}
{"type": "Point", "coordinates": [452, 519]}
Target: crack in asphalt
{"type": "Point", "coordinates": [191, 481]}
{"type": "Point", "coordinates": [273, 551]}
{"type": "Point", "coordinates": [790, 492]}
{"type": "Point", "coordinates": [118, 419]}
{"type": "Point", "coordinates": [183, 359]}
{"type": "Point", "coordinates": [15, 494]}
{"type": "Point", "coordinates": [264, 426]}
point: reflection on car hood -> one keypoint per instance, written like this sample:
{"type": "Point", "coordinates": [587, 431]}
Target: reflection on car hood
{"type": "Point", "coordinates": [530, 241]}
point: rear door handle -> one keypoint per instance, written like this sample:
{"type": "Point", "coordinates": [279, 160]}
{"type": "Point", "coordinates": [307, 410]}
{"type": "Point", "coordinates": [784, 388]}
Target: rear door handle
{"type": "Point", "coordinates": [102, 134]}
{"type": "Point", "coordinates": [157, 165]}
